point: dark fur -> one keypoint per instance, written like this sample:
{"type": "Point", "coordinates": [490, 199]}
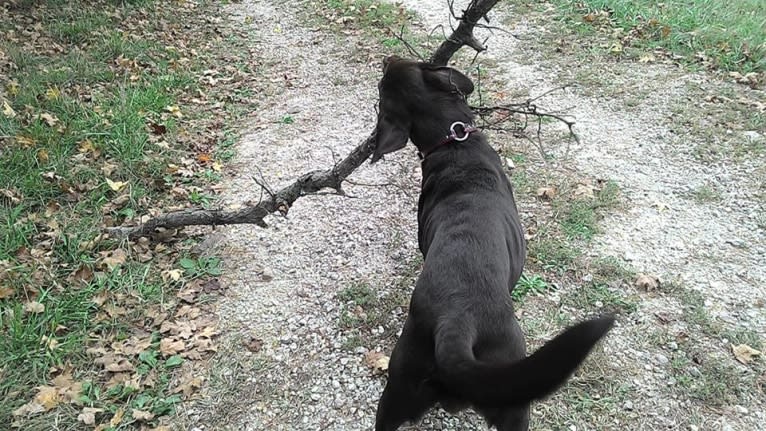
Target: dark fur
{"type": "Point", "coordinates": [461, 344]}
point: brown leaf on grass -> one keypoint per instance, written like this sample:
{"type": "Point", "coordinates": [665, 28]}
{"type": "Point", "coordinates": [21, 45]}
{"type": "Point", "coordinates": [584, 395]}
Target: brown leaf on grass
{"type": "Point", "coordinates": [6, 292]}
{"type": "Point", "coordinates": [46, 399]}
{"type": "Point", "coordinates": [117, 418]}
{"type": "Point", "coordinates": [584, 190]}
{"type": "Point", "coordinates": [8, 110]}
{"type": "Point", "coordinates": [189, 386]}
{"type": "Point", "coordinates": [12, 195]}
{"type": "Point", "coordinates": [133, 345]}
{"type": "Point", "coordinates": [49, 342]}
{"type": "Point", "coordinates": [141, 415]}
{"type": "Point", "coordinates": [100, 298]}
{"type": "Point", "coordinates": [188, 311]}
{"type": "Point", "coordinates": [117, 379]}
{"type": "Point", "coordinates": [157, 129]}
{"type": "Point", "coordinates": [25, 141]}
{"type": "Point", "coordinates": [29, 409]}
{"type": "Point", "coordinates": [647, 282]}
{"type": "Point", "coordinates": [116, 185]}
{"type": "Point", "coordinates": [49, 119]}
{"type": "Point", "coordinates": [171, 346]}
{"type": "Point", "coordinates": [744, 353]}
{"type": "Point", "coordinates": [88, 415]}
{"type": "Point", "coordinates": [172, 275]}
{"type": "Point", "coordinates": [83, 275]}
{"type": "Point", "coordinates": [68, 389]}
{"type": "Point", "coordinates": [546, 193]}
{"type": "Point", "coordinates": [377, 361]}
{"type": "Point", "coordinates": [114, 363]}
{"type": "Point", "coordinates": [34, 307]}
{"type": "Point", "coordinates": [253, 344]}
{"type": "Point", "coordinates": [114, 258]}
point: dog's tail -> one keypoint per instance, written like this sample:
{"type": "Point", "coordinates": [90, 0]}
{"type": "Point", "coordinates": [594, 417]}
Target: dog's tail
{"type": "Point", "coordinates": [516, 383]}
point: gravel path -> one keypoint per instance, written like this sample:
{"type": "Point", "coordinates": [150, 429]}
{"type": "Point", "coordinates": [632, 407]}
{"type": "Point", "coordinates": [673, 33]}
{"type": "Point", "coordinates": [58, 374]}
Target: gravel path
{"type": "Point", "coordinates": [284, 280]}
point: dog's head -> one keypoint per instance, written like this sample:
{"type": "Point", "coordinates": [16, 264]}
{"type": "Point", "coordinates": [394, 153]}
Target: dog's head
{"type": "Point", "coordinates": [413, 92]}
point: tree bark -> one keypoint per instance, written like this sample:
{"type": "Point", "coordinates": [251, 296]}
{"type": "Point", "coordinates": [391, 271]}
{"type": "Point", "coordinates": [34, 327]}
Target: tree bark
{"type": "Point", "coordinates": [463, 34]}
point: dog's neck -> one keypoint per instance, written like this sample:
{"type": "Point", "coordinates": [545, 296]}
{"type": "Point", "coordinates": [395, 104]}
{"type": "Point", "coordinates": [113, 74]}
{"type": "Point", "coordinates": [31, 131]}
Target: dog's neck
{"type": "Point", "coordinates": [431, 129]}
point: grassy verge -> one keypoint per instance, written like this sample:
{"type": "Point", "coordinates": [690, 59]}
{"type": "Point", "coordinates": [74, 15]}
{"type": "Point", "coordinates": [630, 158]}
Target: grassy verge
{"type": "Point", "coordinates": [728, 36]}
{"type": "Point", "coordinates": [106, 117]}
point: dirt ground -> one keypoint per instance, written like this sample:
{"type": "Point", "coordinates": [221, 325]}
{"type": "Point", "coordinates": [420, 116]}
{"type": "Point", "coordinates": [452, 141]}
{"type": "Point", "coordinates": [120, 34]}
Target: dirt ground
{"type": "Point", "coordinates": [313, 294]}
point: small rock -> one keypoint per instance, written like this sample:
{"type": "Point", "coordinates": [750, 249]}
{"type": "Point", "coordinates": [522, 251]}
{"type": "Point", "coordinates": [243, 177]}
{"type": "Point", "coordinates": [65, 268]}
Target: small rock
{"type": "Point", "coordinates": [662, 359]}
{"type": "Point", "coordinates": [741, 409]}
{"type": "Point", "coordinates": [509, 163]}
{"type": "Point", "coordinates": [267, 275]}
{"type": "Point", "coordinates": [753, 135]}
{"type": "Point", "coordinates": [628, 405]}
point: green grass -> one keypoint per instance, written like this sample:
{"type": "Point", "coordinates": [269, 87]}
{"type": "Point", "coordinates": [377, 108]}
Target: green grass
{"type": "Point", "coordinates": [77, 155]}
{"type": "Point", "coordinates": [705, 194]}
{"type": "Point", "coordinates": [730, 34]}
{"type": "Point", "coordinates": [526, 285]}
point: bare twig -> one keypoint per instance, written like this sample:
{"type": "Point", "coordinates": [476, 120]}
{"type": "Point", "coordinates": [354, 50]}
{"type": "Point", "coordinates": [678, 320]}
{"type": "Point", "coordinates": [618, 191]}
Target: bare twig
{"type": "Point", "coordinates": [409, 46]}
{"type": "Point", "coordinates": [525, 109]}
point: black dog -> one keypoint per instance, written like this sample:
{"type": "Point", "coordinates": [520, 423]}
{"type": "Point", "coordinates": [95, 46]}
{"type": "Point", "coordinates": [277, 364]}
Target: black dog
{"type": "Point", "coordinates": [461, 345]}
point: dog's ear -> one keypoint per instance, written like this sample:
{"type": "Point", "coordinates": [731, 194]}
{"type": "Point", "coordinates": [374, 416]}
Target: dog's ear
{"type": "Point", "coordinates": [448, 79]}
{"type": "Point", "coordinates": [389, 137]}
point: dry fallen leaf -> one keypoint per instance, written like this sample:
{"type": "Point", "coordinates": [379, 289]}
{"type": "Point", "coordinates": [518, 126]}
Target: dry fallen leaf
{"type": "Point", "coordinates": [8, 110]}
{"type": "Point", "coordinates": [253, 344]}
{"type": "Point", "coordinates": [546, 192]}
{"type": "Point", "coordinates": [50, 119]}
{"type": "Point", "coordinates": [68, 389]}
{"type": "Point", "coordinates": [141, 415]}
{"type": "Point", "coordinates": [376, 360]}
{"type": "Point", "coordinates": [34, 307]}
{"type": "Point", "coordinates": [647, 282]}
{"type": "Point", "coordinates": [584, 190]}
{"type": "Point", "coordinates": [117, 418]}
{"type": "Point", "coordinates": [6, 292]}
{"type": "Point", "coordinates": [190, 386]}
{"type": "Point", "coordinates": [46, 399]}
{"type": "Point", "coordinates": [115, 258]}
{"type": "Point", "coordinates": [52, 93]}
{"type": "Point", "coordinates": [116, 185]}
{"type": "Point", "coordinates": [171, 346]}
{"type": "Point", "coordinates": [744, 353]}
{"type": "Point", "coordinates": [24, 141]}
{"type": "Point", "coordinates": [88, 415]}
{"type": "Point", "coordinates": [173, 274]}
{"type": "Point", "coordinates": [114, 363]}
{"type": "Point", "coordinates": [29, 409]}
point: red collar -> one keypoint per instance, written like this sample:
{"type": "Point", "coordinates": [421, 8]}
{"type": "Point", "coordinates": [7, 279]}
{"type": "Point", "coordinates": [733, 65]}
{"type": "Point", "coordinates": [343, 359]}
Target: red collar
{"type": "Point", "coordinates": [453, 136]}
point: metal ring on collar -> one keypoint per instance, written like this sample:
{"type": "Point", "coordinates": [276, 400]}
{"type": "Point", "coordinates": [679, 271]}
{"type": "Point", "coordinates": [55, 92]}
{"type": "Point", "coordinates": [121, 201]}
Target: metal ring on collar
{"type": "Point", "coordinates": [453, 132]}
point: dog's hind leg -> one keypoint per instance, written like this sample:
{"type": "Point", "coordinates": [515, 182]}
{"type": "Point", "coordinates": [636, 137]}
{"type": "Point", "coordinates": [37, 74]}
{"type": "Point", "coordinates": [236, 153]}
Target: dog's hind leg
{"type": "Point", "coordinates": [512, 419]}
{"type": "Point", "coordinates": [407, 395]}
{"type": "Point", "coordinates": [399, 405]}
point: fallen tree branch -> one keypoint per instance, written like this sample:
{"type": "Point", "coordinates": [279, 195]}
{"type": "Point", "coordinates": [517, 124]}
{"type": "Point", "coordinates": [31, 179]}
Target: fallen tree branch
{"type": "Point", "coordinates": [310, 183]}
{"type": "Point", "coordinates": [280, 201]}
